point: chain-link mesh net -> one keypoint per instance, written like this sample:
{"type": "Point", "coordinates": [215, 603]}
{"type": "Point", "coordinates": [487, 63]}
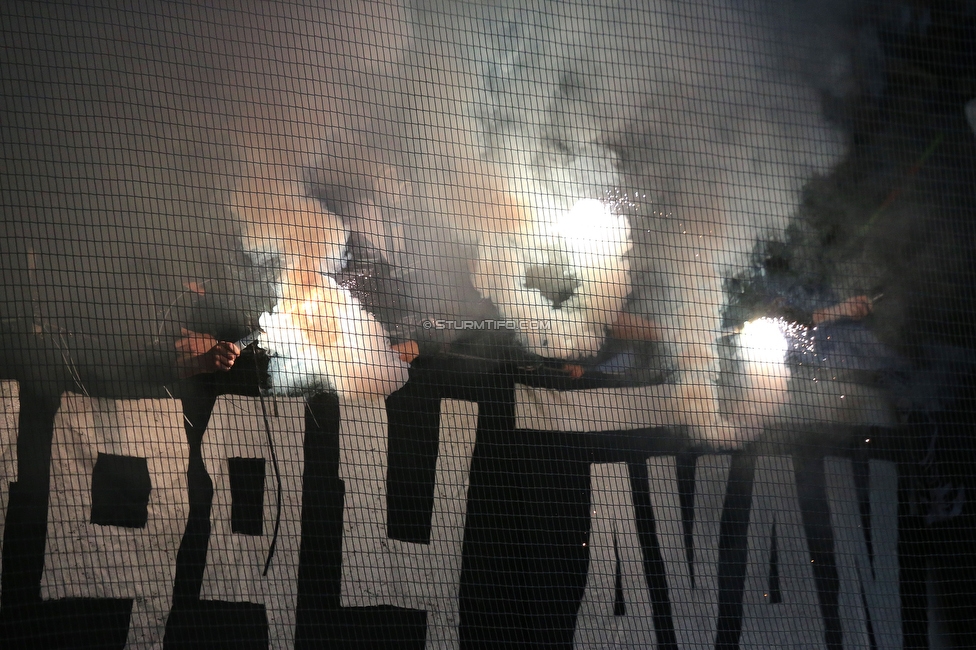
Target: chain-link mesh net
{"type": "Point", "coordinates": [474, 324]}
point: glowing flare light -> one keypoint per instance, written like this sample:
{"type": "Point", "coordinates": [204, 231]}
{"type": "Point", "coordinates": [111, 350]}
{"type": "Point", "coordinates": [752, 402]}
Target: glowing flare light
{"type": "Point", "coordinates": [764, 341]}
{"type": "Point", "coordinates": [764, 344]}
{"type": "Point", "coordinates": [591, 228]}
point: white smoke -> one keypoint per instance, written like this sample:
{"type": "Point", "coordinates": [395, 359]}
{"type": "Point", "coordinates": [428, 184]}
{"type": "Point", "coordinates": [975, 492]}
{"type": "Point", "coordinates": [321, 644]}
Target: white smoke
{"type": "Point", "coordinates": [441, 135]}
{"type": "Point", "coordinates": [587, 245]}
{"type": "Point", "coordinates": [327, 341]}
{"type": "Point", "coordinates": [711, 110]}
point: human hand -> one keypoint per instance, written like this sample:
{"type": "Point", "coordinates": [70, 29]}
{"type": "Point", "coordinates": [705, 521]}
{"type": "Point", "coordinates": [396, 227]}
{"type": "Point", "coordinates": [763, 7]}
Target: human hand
{"type": "Point", "coordinates": [199, 353]}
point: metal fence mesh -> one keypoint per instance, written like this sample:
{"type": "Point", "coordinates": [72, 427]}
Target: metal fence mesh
{"type": "Point", "coordinates": [468, 325]}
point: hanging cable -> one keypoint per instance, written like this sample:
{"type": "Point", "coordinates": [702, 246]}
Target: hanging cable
{"type": "Point", "coordinates": [277, 473]}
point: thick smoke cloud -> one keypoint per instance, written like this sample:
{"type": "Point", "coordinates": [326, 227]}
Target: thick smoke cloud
{"type": "Point", "coordinates": [427, 133]}
{"type": "Point", "coordinates": [125, 129]}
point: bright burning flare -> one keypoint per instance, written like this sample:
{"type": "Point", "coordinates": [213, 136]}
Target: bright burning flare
{"type": "Point", "coordinates": [324, 339]}
{"type": "Point", "coordinates": [319, 336]}
{"type": "Point", "coordinates": [587, 245]}
{"type": "Point", "coordinates": [763, 341]}
{"type": "Point", "coordinates": [765, 376]}
{"type": "Point", "coordinates": [592, 229]}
